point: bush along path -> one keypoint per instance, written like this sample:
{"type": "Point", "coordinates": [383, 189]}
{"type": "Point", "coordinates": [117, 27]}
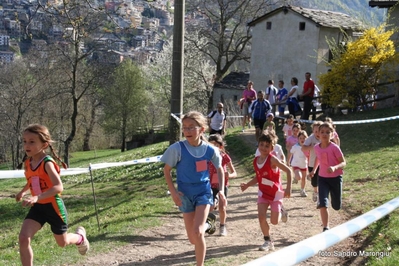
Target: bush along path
{"type": "Point", "coordinates": [168, 244]}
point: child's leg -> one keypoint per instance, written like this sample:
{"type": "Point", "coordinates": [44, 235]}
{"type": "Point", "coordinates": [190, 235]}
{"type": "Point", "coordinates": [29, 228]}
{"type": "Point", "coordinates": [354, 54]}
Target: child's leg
{"type": "Point", "coordinates": [67, 239]}
{"type": "Point", "coordinates": [223, 209]}
{"type": "Point", "coordinates": [324, 217]}
{"type": "Point", "coordinates": [262, 214]}
{"type": "Point", "coordinates": [303, 174]}
{"type": "Point", "coordinates": [28, 230]}
{"type": "Point", "coordinates": [298, 174]}
{"type": "Point", "coordinates": [195, 227]}
{"type": "Point", "coordinates": [336, 193]}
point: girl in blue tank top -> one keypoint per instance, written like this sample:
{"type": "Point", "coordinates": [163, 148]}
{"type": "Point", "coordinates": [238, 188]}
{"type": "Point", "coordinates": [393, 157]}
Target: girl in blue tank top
{"type": "Point", "coordinates": [193, 194]}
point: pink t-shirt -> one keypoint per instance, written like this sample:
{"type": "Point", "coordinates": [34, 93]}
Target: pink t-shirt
{"type": "Point", "coordinates": [328, 157]}
{"type": "Point", "coordinates": [287, 130]}
{"type": "Point", "coordinates": [291, 141]}
{"type": "Point", "coordinates": [249, 93]}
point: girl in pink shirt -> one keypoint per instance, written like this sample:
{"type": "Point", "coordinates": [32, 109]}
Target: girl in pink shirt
{"type": "Point", "coordinates": [331, 161]}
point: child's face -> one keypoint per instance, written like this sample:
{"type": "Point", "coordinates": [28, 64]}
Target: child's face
{"type": "Point", "coordinates": [290, 121]}
{"type": "Point", "coordinates": [191, 130]}
{"type": "Point", "coordinates": [325, 134]}
{"type": "Point", "coordinates": [265, 148]}
{"type": "Point", "coordinates": [270, 118]}
{"type": "Point", "coordinates": [32, 144]}
{"type": "Point", "coordinates": [316, 131]}
{"type": "Point", "coordinates": [295, 131]}
{"type": "Point", "coordinates": [301, 139]}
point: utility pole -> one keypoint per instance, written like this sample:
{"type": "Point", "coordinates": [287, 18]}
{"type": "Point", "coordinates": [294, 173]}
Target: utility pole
{"type": "Point", "coordinates": [176, 104]}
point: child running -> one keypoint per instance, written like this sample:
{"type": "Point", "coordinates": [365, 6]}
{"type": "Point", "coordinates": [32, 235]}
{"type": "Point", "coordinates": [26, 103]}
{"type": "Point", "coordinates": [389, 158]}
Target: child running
{"type": "Point", "coordinates": [287, 128]}
{"type": "Point", "coordinates": [291, 141]}
{"type": "Point", "coordinates": [308, 146]}
{"type": "Point", "coordinates": [46, 206]}
{"type": "Point", "coordinates": [299, 161]}
{"type": "Point", "coordinates": [227, 164]}
{"type": "Point", "coordinates": [193, 195]}
{"type": "Point", "coordinates": [267, 169]}
{"type": "Point", "coordinates": [269, 124]}
{"type": "Point", "coordinates": [331, 161]}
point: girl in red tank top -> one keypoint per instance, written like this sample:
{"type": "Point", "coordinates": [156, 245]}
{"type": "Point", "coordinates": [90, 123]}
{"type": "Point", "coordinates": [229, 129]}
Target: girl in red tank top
{"type": "Point", "coordinates": [270, 189]}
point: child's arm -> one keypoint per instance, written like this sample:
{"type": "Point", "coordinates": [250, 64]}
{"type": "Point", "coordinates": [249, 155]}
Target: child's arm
{"type": "Point", "coordinates": [232, 173]}
{"type": "Point", "coordinates": [315, 165]}
{"type": "Point", "coordinates": [19, 196]}
{"type": "Point", "coordinates": [252, 182]}
{"type": "Point", "coordinates": [173, 192]}
{"type": "Point", "coordinates": [222, 197]}
{"type": "Point", "coordinates": [287, 169]}
{"type": "Point", "coordinates": [341, 165]}
{"type": "Point", "coordinates": [54, 190]}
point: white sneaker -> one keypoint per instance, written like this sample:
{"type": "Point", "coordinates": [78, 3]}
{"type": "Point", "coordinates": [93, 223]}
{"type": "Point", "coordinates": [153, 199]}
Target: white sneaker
{"type": "Point", "coordinates": [303, 193]}
{"type": "Point", "coordinates": [83, 247]}
{"type": "Point", "coordinates": [223, 230]}
{"type": "Point", "coordinates": [284, 215]}
{"type": "Point", "coordinates": [268, 245]}
{"type": "Point", "coordinates": [315, 196]}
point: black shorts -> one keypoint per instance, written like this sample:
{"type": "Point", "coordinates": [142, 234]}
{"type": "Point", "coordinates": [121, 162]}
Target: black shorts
{"type": "Point", "coordinates": [258, 123]}
{"type": "Point", "coordinates": [215, 191]}
{"type": "Point", "coordinates": [45, 213]}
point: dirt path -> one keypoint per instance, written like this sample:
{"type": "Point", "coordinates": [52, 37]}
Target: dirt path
{"type": "Point", "coordinates": [168, 244]}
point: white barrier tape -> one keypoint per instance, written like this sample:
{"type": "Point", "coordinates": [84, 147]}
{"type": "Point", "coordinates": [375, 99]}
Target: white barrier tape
{"type": "Point", "coordinates": [144, 160]}
{"type": "Point", "coordinates": [175, 117]}
{"type": "Point", "coordinates": [314, 245]}
{"type": "Point", "coordinates": [350, 122]}
{"type": "Point", "coordinates": [4, 174]}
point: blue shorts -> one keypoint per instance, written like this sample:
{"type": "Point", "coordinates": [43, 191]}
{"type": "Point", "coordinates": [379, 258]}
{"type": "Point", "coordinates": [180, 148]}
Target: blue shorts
{"type": "Point", "coordinates": [189, 202]}
{"type": "Point", "coordinates": [332, 186]}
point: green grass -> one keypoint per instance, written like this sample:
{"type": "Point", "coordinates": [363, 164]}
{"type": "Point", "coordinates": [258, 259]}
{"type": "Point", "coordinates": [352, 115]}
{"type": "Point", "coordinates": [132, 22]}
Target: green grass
{"type": "Point", "coordinates": [133, 198]}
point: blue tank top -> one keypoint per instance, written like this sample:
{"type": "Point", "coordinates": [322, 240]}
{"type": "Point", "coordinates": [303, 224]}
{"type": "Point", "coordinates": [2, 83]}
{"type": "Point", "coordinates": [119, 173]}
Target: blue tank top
{"type": "Point", "coordinates": [192, 171]}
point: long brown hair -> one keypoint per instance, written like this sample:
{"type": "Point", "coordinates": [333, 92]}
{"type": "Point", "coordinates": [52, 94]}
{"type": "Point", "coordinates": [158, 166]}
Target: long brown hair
{"type": "Point", "coordinates": [45, 137]}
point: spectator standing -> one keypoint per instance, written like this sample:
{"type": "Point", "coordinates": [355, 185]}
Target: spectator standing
{"type": "Point", "coordinates": [307, 96]}
{"type": "Point", "coordinates": [292, 98]}
{"type": "Point", "coordinates": [259, 109]}
{"type": "Point", "coordinates": [270, 95]}
{"type": "Point", "coordinates": [281, 98]}
{"type": "Point", "coordinates": [248, 96]}
{"type": "Point", "coordinates": [217, 120]}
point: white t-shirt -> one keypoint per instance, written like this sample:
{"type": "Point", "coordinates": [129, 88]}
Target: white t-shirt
{"type": "Point", "coordinates": [217, 120]}
{"type": "Point", "coordinates": [298, 157]}
{"type": "Point", "coordinates": [277, 151]}
{"type": "Point", "coordinates": [311, 141]}
{"type": "Point", "coordinates": [295, 94]}
{"type": "Point", "coordinates": [272, 92]}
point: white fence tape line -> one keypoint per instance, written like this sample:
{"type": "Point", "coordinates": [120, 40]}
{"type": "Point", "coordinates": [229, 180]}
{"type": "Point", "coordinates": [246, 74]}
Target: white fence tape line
{"type": "Point", "coordinates": [5, 174]}
{"type": "Point", "coordinates": [144, 160]}
{"type": "Point", "coordinates": [365, 121]}
{"type": "Point", "coordinates": [177, 118]}
{"type": "Point", "coordinates": [314, 245]}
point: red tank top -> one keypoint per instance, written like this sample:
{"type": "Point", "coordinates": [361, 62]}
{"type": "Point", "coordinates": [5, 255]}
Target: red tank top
{"type": "Point", "coordinates": [269, 181]}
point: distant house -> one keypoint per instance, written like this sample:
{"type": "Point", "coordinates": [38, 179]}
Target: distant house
{"type": "Point", "coordinates": [290, 41]}
{"type": "Point", "coordinates": [230, 89]}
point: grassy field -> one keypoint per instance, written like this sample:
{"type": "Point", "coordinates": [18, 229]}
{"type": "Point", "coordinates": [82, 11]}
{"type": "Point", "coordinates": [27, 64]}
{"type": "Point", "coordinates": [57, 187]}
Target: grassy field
{"type": "Point", "coordinates": [132, 198]}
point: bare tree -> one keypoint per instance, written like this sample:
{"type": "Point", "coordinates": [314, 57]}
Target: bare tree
{"type": "Point", "coordinates": [80, 20]}
{"type": "Point", "coordinates": [223, 24]}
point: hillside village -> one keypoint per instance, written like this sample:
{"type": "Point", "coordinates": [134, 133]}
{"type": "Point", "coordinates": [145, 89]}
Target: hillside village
{"type": "Point", "coordinates": [138, 30]}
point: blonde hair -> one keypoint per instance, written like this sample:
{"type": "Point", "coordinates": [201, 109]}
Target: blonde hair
{"type": "Point", "coordinates": [45, 137]}
{"type": "Point", "coordinates": [303, 132]}
{"type": "Point", "coordinates": [316, 124]}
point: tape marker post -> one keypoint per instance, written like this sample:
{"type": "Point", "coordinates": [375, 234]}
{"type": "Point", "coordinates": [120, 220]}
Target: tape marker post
{"type": "Point", "coordinates": [365, 121]}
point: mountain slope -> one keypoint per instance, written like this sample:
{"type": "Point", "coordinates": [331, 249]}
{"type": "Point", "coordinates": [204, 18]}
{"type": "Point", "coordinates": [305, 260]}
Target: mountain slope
{"type": "Point", "coordinates": [356, 8]}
